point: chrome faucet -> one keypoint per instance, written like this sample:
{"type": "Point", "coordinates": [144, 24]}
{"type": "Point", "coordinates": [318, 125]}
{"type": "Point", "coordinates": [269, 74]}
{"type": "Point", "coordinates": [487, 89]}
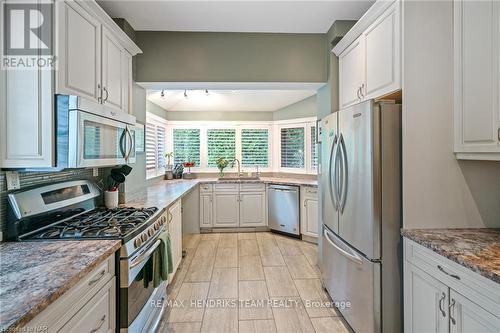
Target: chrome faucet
{"type": "Point", "coordinates": [239, 166]}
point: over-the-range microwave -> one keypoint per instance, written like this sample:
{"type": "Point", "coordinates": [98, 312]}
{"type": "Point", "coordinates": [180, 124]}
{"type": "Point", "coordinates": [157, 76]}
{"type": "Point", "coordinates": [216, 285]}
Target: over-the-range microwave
{"type": "Point", "coordinates": [89, 134]}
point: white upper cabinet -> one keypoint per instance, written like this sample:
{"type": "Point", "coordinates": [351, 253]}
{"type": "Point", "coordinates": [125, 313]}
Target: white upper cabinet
{"type": "Point", "coordinates": [351, 71]}
{"type": "Point", "coordinates": [113, 74]}
{"type": "Point", "coordinates": [370, 55]}
{"type": "Point", "coordinates": [476, 79]}
{"type": "Point", "coordinates": [79, 51]}
{"type": "Point", "coordinates": [382, 56]}
{"type": "Point", "coordinates": [93, 61]}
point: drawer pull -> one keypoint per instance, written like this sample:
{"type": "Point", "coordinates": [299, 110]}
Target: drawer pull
{"type": "Point", "coordinates": [451, 308]}
{"type": "Point", "coordinates": [101, 322]}
{"type": "Point", "coordinates": [93, 281]}
{"type": "Point", "coordinates": [445, 272]}
{"type": "Point", "coordinates": [441, 300]}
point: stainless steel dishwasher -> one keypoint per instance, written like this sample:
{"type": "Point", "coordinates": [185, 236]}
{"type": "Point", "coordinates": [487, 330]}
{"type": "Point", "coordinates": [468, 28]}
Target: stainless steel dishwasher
{"type": "Point", "coordinates": [283, 205]}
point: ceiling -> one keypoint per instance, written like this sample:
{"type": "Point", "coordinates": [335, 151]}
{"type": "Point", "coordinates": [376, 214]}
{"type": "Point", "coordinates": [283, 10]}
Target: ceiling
{"type": "Point", "coordinates": [227, 100]}
{"type": "Point", "coordinates": [236, 16]}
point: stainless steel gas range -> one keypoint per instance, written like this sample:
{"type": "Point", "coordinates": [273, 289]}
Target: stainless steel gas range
{"type": "Point", "coordinates": [68, 211]}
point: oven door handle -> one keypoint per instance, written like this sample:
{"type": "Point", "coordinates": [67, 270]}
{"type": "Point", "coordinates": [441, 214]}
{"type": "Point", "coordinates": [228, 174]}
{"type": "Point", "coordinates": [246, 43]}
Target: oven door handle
{"type": "Point", "coordinates": [144, 256]}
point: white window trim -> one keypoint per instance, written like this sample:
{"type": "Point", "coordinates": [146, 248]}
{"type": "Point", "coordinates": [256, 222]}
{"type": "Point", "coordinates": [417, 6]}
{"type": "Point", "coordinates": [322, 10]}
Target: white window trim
{"type": "Point", "coordinates": [274, 157]}
{"type": "Point", "coordinates": [154, 119]}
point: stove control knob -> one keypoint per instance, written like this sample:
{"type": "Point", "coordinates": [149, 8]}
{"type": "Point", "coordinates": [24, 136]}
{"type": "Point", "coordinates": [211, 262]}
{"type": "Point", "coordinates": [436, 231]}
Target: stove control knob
{"type": "Point", "coordinates": [163, 219]}
{"type": "Point", "coordinates": [151, 232]}
{"type": "Point", "coordinates": [137, 242]}
{"type": "Point", "coordinates": [144, 237]}
{"type": "Point", "coordinates": [157, 225]}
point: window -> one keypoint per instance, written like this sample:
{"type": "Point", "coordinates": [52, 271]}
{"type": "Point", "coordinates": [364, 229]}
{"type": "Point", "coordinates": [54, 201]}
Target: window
{"type": "Point", "coordinates": [155, 146]}
{"type": "Point", "coordinates": [254, 147]}
{"type": "Point", "coordinates": [186, 145]}
{"type": "Point", "coordinates": [220, 143]}
{"type": "Point", "coordinates": [314, 148]}
{"type": "Point", "coordinates": [292, 147]}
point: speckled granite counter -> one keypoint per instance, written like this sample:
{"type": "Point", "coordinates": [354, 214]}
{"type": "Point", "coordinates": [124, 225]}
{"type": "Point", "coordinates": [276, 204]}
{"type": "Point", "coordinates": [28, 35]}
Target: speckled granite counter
{"type": "Point", "coordinates": [476, 249]}
{"type": "Point", "coordinates": [166, 192]}
{"type": "Point", "coordinates": [34, 274]}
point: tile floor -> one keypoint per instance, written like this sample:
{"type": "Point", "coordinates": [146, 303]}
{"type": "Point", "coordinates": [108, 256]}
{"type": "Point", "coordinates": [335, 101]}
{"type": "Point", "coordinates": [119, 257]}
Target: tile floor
{"type": "Point", "coordinates": [248, 282]}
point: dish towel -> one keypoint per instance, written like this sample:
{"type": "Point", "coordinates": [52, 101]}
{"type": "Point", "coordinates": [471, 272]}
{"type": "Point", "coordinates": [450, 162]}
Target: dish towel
{"type": "Point", "coordinates": [162, 260]}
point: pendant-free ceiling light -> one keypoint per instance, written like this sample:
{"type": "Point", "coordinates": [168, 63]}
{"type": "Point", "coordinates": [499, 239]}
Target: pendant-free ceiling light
{"type": "Point", "coordinates": [185, 94]}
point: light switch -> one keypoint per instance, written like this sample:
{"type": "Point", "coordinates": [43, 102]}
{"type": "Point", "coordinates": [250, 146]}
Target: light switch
{"type": "Point", "coordinates": [13, 182]}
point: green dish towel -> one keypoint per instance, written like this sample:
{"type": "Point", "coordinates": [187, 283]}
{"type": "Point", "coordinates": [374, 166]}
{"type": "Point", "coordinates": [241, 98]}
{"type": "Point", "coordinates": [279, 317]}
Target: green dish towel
{"type": "Point", "coordinates": [162, 260]}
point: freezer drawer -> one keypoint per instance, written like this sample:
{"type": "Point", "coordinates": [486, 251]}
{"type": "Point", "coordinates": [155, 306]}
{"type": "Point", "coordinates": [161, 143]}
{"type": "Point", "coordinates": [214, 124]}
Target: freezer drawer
{"type": "Point", "coordinates": [349, 277]}
{"type": "Point", "coordinates": [283, 208]}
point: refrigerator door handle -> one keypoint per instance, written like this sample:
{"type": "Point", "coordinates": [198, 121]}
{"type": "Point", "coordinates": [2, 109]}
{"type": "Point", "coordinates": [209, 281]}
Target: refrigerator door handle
{"type": "Point", "coordinates": [345, 176]}
{"type": "Point", "coordinates": [352, 256]}
{"type": "Point", "coordinates": [333, 177]}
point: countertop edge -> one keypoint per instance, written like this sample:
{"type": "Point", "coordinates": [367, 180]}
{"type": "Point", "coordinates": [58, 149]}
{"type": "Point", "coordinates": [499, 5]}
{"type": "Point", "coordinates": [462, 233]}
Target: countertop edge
{"type": "Point", "coordinates": [487, 274]}
{"type": "Point", "coordinates": [39, 308]}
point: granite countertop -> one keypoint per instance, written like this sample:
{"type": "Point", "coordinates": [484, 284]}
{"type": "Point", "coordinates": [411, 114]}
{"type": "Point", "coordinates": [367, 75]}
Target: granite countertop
{"type": "Point", "coordinates": [166, 192]}
{"type": "Point", "coordinates": [476, 249]}
{"type": "Point", "coordinates": [34, 274]}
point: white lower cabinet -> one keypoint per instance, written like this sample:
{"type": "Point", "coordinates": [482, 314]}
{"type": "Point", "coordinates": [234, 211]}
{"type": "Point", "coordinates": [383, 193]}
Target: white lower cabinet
{"type": "Point", "coordinates": [466, 316]}
{"type": "Point", "coordinates": [442, 296]}
{"type": "Point", "coordinates": [309, 211]}
{"type": "Point", "coordinates": [89, 306]}
{"type": "Point", "coordinates": [206, 200]}
{"type": "Point", "coordinates": [226, 209]}
{"type": "Point", "coordinates": [174, 219]}
{"type": "Point", "coordinates": [252, 209]}
{"type": "Point", "coordinates": [98, 315]}
{"type": "Point", "coordinates": [426, 302]}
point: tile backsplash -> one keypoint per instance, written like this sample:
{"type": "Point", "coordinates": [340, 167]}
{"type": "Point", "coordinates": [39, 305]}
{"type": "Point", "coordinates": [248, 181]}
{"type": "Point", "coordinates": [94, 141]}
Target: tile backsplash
{"type": "Point", "coordinates": [28, 179]}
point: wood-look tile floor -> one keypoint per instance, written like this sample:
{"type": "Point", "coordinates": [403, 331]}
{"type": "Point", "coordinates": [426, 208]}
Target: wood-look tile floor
{"type": "Point", "coordinates": [248, 283]}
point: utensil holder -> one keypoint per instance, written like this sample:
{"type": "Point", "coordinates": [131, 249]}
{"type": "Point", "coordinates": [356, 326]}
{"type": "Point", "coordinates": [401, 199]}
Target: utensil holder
{"type": "Point", "coordinates": [111, 199]}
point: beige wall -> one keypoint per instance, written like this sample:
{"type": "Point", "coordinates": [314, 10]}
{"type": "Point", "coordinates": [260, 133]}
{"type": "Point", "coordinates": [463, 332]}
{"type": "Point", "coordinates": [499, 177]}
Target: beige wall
{"type": "Point", "coordinates": [230, 57]}
{"type": "Point", "coordinates": [304, 108]}
{"type": "Point", "coordinates": [438, 190]}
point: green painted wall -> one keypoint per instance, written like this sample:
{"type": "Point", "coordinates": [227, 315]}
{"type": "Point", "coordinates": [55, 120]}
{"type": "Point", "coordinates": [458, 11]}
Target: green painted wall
{"type": "Point", "coordinates": [219, 116]}
{"type": "Point", "coordinates": [304, 108]}
{"type": "Point", "coordinates": [156, 110]}
{"type": "Point", "coordinates": [230, 57]}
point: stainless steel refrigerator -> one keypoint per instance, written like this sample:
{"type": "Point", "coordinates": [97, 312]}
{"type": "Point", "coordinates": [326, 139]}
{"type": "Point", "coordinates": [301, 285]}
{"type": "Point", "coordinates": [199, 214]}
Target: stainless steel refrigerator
{"type": "Point", "coordinates": [360, 185]}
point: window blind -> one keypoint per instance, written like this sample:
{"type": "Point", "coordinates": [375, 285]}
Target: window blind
{"type": "Point", "coordinates": [186, 145]}
{"type": "Point", "coordinates": [292, 147]}
{"type": "Point", "coordinates": [150, 146]}
{"type": "Point", "coordinates": [155, 147]}
{"type": "Point", "coordinates": [220, 143]}
{"type": "Point", "coordinates": [314, 153]}
{"type": "Point", "coordinates": [254, 147]}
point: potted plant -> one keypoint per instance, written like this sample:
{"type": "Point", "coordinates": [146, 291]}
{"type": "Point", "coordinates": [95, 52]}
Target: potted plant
{"type": "Point", "coordinates": [168, 167]}
{"type": "Point", "coordinates": [222, 163]}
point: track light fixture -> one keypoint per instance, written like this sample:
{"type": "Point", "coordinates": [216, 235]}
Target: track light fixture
{"type": "Point", "coordinates": [185, 94]}
{"type": "Point", "coordinates": [206, 92]}
{"type": "Point", "coordinates": [162, 94]}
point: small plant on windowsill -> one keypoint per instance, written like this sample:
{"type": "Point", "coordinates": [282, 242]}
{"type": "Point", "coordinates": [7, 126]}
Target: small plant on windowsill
{"type": "Point", "coordinates": [222, 163]}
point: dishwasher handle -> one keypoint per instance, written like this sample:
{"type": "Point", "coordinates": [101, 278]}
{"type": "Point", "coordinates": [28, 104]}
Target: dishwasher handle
{"type": "Point", "coordinates": [279, 188]}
